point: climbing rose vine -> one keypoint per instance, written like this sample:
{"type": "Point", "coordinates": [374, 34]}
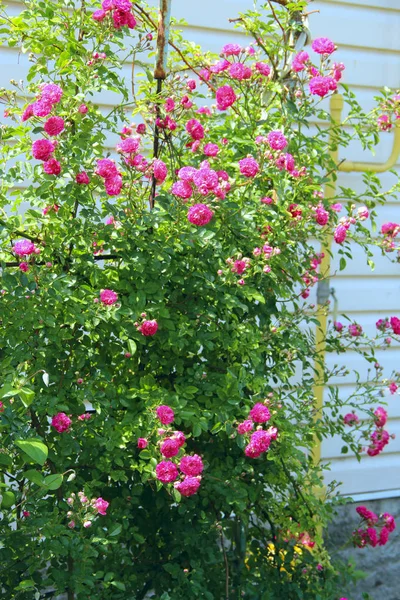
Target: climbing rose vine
{"type": "Point", "coordinates": [157, 407]}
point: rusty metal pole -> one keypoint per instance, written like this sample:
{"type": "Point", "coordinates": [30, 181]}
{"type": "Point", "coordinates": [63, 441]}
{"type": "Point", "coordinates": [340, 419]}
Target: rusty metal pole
{"type": "Point", "coordinates": [164, 21]}
{"type": "Point", "coordinates": [160, 73]}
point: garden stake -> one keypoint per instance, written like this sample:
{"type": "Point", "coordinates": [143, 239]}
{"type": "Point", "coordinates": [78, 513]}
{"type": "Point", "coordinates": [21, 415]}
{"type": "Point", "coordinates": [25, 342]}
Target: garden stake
{"type": "Point", "coordinates": [160, 73]}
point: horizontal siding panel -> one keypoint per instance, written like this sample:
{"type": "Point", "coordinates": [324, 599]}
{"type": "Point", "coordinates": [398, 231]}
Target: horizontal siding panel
{"type": "Point", "coordinates": [331, 448]}
{"type": "Point", "coordinates": [353, 362]}
{"type": "Point", "coordinates": [391, 403]}
{"type": "Point", "coordinates": [356, 26]}
{"type": "Point", "coordinates": [373, 473]}
{"type": "Point", "coordinates": [390, 5]}
{"type": "Point", "coordinates": [362, 294]}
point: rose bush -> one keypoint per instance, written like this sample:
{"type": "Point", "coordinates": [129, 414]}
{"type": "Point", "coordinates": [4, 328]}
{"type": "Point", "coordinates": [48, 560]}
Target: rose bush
{"type": "Point", "coordinates": [156, 440]}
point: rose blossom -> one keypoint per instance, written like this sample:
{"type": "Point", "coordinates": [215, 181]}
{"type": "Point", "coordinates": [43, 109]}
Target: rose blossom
{"type": "Point", "coordinates": [249, 167]}
{"type": "Point", "coordinates": [61, 422]}
{"type": "Point", "coordinates": [54, 126]}
{"type": "Point", "coordinates": [108, 297]}
{"type": "Point", "coordinates": [179, 436]}
{"type": "Point", "coordinates": [42, 149]}
{"type": "Point", "coordinates": [142, 443]}
{"type": "Point", "coordinates": [240, 71]}
{"type": "Point", "coordinates": [225, 97]}
{"type": "Point", "coordinates": [367, 514]}
{"type": "Point", "coordinates": [340, 234]}
{"type": "Point", "coordinates": [160, 171]}
{"type": "Point", "coordinates": [260, 413]}
{"type": "Point", "coordinates": [101, 506]}
{"type": "Point", "coordinates": [231, 50]}
{"type": "Point", "coordinates": [52, 167]}
{"type": "Point", "coordinates": [363, 213]}
{"type": "Point", "coordinates": [195, 129]}
{"type": "Point", "coordinates": [211, 149]}
{"type": "Point", "coordinates": [351, 419]}
{"type": "Point", "coordinates": [165, 414]}
{"type": "Point", "coordinates": [276, 140]}
{"type": "Point", "coordinates": [390, 523]}
{"type": "Point", "coordinates": [191, 465]}
{"type": "Point", "coordinates": [200, 215]}
{"type": "Point", "coordinates": [395, 325]}
{"type": "Point", "coordinates": [323, 46]}
{"type": "Point", "coordinates": [381, 416]}
{"type": "Point", "coordinates": [355, 330]}
{"type": "Point", "coordinates": [148, 328]}
{"type": "Point", "coordinates": [82, 178]}
{"type": "Point", "coordinates": [166, 471]}
{"type": "Point", "coordinates": [263, 69]}
{"type": "Point", "coordinates": [321, 86]}
{"type": "Point", "coordinates": [169, 447]}
{"type": "Point", "coordinates": [24, 248]}
{"type": "Point", "coordinates": [298, 63]}
{"type": "Point", "coordinates": [188, 487]}
{"type": "Point", "coordinates": [245, 426]}
{"type": "Point", "coordinates": [50, 92]}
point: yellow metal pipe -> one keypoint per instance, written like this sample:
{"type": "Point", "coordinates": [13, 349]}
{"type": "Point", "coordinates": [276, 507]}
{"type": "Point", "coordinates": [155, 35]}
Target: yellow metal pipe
{"type": "Point", "coordinates": [336, 108]}
{"type": "Point", "coordinates": [348, 166]}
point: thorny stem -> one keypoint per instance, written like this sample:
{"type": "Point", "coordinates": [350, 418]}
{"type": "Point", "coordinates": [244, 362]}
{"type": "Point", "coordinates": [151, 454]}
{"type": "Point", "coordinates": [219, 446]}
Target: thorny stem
{"type": "Point", "coordinates": [182, 56]}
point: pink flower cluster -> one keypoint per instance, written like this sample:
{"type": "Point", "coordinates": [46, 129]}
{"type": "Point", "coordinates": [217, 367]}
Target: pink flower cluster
{"type": "Point", "coordinates": [374, 530]}
{"type": "Point", "coordinates": [61, 422]}
{"type": "Point", "coordinates": [390, 231]}
{"type": "Point", "coordinates": [24, 248]}
{"type": "Point", "coordinates": [108, 297]}
{"type": "Point", "coordinates": [49, 95]}
{"type": "Point", "coordinates": [121, 13]}
{"type": "Point", "coordinates": [379, 439]}
{"type": "Point", "coordinates": [85, 510]}
{"type": "Point", "coordinates": [260, 439]}
{"type": "Point", "coordinates": [225, 97]}
{"type": "Point", "coordinates": [204, 181]}
{"type": "Point", "coordinates": [249, 167]}
{"type": "Point", "coordinates": [190, 466]}
{"type": "Point", "coordinates": [351, 419]}
{"type": "Point", "coordinates": [147, 327]}
{"type": "Point", "coordinates": [200, 215]}
{"type": "Point", "coordinates": [107, 170]}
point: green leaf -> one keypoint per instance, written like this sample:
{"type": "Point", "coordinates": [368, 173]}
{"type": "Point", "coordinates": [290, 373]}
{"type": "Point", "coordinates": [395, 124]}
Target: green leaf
{"type": "Point", "coordinates": [132, 347]}
{"type": "Point", "coordinates": [26, 395]}
{"type": "Point", "coordinates": [5, 459]}
{"type": "Point", "coordinates": [115, 529]}
{"type": "Point", "coordinates": [342, 264]}
{"type": "Point", "coordinates": [53, 482]}
{"type": "Point", "coordinates": [35, 449]}
{"type": "Point", "coordinates": [196, 430]}
{"type": "Point", "coordinates": [177, 496]}
{"type": "Point", "coordinates": [119, 585]}
{"type": "Point", "coordinates": [34, 476]}
{"type": "Point", "coordinates": [7, 392]}
{"type": "Point", "coordinates": [26, 584]}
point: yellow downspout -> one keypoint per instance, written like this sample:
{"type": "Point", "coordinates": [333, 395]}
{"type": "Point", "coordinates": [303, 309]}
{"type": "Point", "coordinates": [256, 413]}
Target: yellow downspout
{"type": "Point", "coordinates": [336, 107]}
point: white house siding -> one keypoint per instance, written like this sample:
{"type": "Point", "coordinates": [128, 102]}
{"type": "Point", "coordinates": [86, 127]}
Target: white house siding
{"type": "Point", "coordinates": [367, 33]}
